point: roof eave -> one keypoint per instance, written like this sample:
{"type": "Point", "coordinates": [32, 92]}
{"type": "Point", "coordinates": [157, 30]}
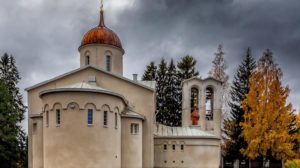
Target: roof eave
{"type": "Point", "coordinates": [185, 137]}
{"type": "Point", "coordinates": [82, 68]}
{"type": "Point", "coordinates": [58, 90]}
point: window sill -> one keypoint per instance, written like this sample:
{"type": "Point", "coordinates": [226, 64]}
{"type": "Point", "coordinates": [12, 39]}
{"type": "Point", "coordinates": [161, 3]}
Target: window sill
{"type": "Point", "coordinates": [105, 126]}
{"type": "Point", "coordinates": [58, 125]}
{"type": "Point", "coordinates": [90, 125]}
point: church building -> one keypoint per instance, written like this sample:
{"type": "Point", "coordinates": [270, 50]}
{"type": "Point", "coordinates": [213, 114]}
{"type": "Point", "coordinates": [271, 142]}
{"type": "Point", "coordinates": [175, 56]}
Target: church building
{"type": "Point", "coordinates": [93, 117]}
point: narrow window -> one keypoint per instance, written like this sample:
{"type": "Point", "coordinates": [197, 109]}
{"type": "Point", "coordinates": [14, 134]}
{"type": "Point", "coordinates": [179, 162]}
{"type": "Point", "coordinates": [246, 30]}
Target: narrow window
{"type": "Point", "coordinates": [182, 147]}
{"type": "Point", "coordinates": [90, 117]}
{"type": "Point", "coordinates": [116, 120]}
{"type": "Point", "coordinates": [165, 146]}
{"type": "Point", "coordinates": [194, 99]}
{"type": "Point", "coordinates": [134, 128]}
{"type": "Point", "coordinates": [34, 128]}
{"type": "Point", "coordinates": [87, 60]}
{"type": "Point", "coordinates": [108, 63]}
{"type": "Point", "coordinates": [209, 104]}
{"type": "Point", "coordinates": [173, 146]}
{"type": "Point", "coordinates": [47, 118]}
{"type": "Point", "coordinates": [105, 118]}
{"type": "Point", "coordinates": [58, 117]}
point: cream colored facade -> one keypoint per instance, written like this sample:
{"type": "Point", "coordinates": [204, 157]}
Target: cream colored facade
{"type": "Point", "coordinates": [97, 54]}
{"type": "Point", "coordinates": [193, 146]}
{"type": "Point", "coordinates": [93, 117]}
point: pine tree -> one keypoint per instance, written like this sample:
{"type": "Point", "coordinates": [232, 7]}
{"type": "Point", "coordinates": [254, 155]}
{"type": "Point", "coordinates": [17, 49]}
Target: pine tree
{"type": "Point", "coordinates": [9, 75]}
{"type": "Point", "coordinates": [267, 115]}
{"type": "Point", "coordinates": [161, 85]}
{"type": "Point", "coordinates": [8, 129]}
{"type": "Point", "coordinates": [234, 141]}
{"type": "Point", "coordinates": [150, 72]}
{"type": "Point", "coordinates": [173, 96]}
{"type": "Point", "coordinates": [187, 68]}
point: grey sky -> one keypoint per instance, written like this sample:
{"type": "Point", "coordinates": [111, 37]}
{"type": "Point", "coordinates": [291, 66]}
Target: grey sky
{"type": "Point", "coordinates": [44, 35]}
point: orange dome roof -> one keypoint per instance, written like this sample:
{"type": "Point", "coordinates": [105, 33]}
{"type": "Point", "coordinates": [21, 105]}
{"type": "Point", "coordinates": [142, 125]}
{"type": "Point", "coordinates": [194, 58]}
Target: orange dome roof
{"type": "Point", "coordinates": [101, 35]}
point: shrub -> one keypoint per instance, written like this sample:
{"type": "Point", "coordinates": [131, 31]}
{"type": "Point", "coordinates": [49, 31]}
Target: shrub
{"type": "Point", "coordinates": [292, 163]}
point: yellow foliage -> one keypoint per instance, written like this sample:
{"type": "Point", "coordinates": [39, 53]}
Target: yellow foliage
{"type": "Point", "coordinates": [267, 117]}
{"type": "Point", "coordinates": [292, 163]}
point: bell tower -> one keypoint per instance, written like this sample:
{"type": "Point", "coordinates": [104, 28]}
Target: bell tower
{"type": "Point", "coordinates": [202, 104]}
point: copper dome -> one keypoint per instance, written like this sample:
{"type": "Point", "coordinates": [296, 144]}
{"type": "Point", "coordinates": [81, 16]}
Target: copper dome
{"type": "Point", "coordinates": [101, 35]}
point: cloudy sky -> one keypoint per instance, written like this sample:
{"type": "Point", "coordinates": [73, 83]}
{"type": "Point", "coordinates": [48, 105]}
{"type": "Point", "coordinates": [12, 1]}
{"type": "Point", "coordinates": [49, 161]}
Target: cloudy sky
{"type": "Point", "coordinates": [44, 35]}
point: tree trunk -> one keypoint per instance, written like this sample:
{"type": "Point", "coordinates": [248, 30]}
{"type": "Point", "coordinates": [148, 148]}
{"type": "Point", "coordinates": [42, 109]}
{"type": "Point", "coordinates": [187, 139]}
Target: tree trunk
{"type": "Point", "coordinates": [236, 163]}
{"type": "Point", "coordinates": [264, 162]}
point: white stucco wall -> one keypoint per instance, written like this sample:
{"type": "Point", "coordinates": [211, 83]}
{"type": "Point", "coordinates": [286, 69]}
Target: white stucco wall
{"type": "Point", "coordinates": [197, 153]}
{"type": "Point", "coordinates": [74, 143]}
{"type": "Point", "coordinates": [132, 144]}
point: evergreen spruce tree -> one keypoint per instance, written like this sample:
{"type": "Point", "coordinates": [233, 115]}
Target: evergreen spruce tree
{"type": "Point", "coordinates": [8, 129]}
{"type": "Point", "coordinates": [234, 141]}
{"type": "Point", "coordinates": [187, 68]}
{"type": "Point", "coordinates": [150, 72]}
{"type": "Point", "coordinates": [9, 76]}
{"type": "Point", "coordinates": [161, 85]}
{"type": "Point", "coordinates": [173, 96]}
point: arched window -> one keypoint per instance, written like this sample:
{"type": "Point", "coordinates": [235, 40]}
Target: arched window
{"type": "Point", "coordinates": [87, 60]}
{"type": "Point", "coordinates": [105, 120]}
{"type": "Point", "coordinates": [209, 104]}
{"type": "Point", "coordinates": [58, 117]}
{"type": "Point", "coordinates": [116, 120]}
{"type": "Point", "coordinates": [46, 114]}
{"type": "Point", "coordinates": [47, 118]}
{"type": "Point", "coordinates": [57, 107]}
{"type": "Point", "coordinates": [108, 63]}
{"type": "Point", "coordinates": [194, 95]}
{"type": "Point", "coordinates": [90, 116]}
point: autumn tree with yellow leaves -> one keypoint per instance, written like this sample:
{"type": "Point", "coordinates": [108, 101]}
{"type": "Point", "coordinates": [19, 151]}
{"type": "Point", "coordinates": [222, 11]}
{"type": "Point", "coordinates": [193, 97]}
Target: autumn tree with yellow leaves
{"type": "Point", "coordinates": [267, 114]}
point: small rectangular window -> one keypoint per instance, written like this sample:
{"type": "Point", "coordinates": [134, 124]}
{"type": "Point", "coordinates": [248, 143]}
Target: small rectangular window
{"type": "Point", "coordinates": [87, 60]}
{"type": "Point", "coordinates": [116, 120]}
{"type": "Point", "coordinates": [182, 147]}
{"type": "Point", "coordinates": [165, 146]}
{"type": "Point", "coordinates": [34, 128]}
{"type": "Point", "coordinates": [47, 118]}
{"type": "Point", "coordinates": [105, 118]}
{"type": "Point", "coordinates": [173, 146]}
{"type": "Point", "coordinates": [90, 117]}
{"type": "Point", "coordinates": [134, 128]}
{"type": "Point", "coordinates": [58, 117]}
{"type": "Point", "coordinates": [108, 63]}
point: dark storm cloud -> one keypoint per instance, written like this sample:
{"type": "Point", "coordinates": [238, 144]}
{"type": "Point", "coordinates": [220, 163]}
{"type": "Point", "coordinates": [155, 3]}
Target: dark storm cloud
{"type": "Point", "coordinates": [44, 35]}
